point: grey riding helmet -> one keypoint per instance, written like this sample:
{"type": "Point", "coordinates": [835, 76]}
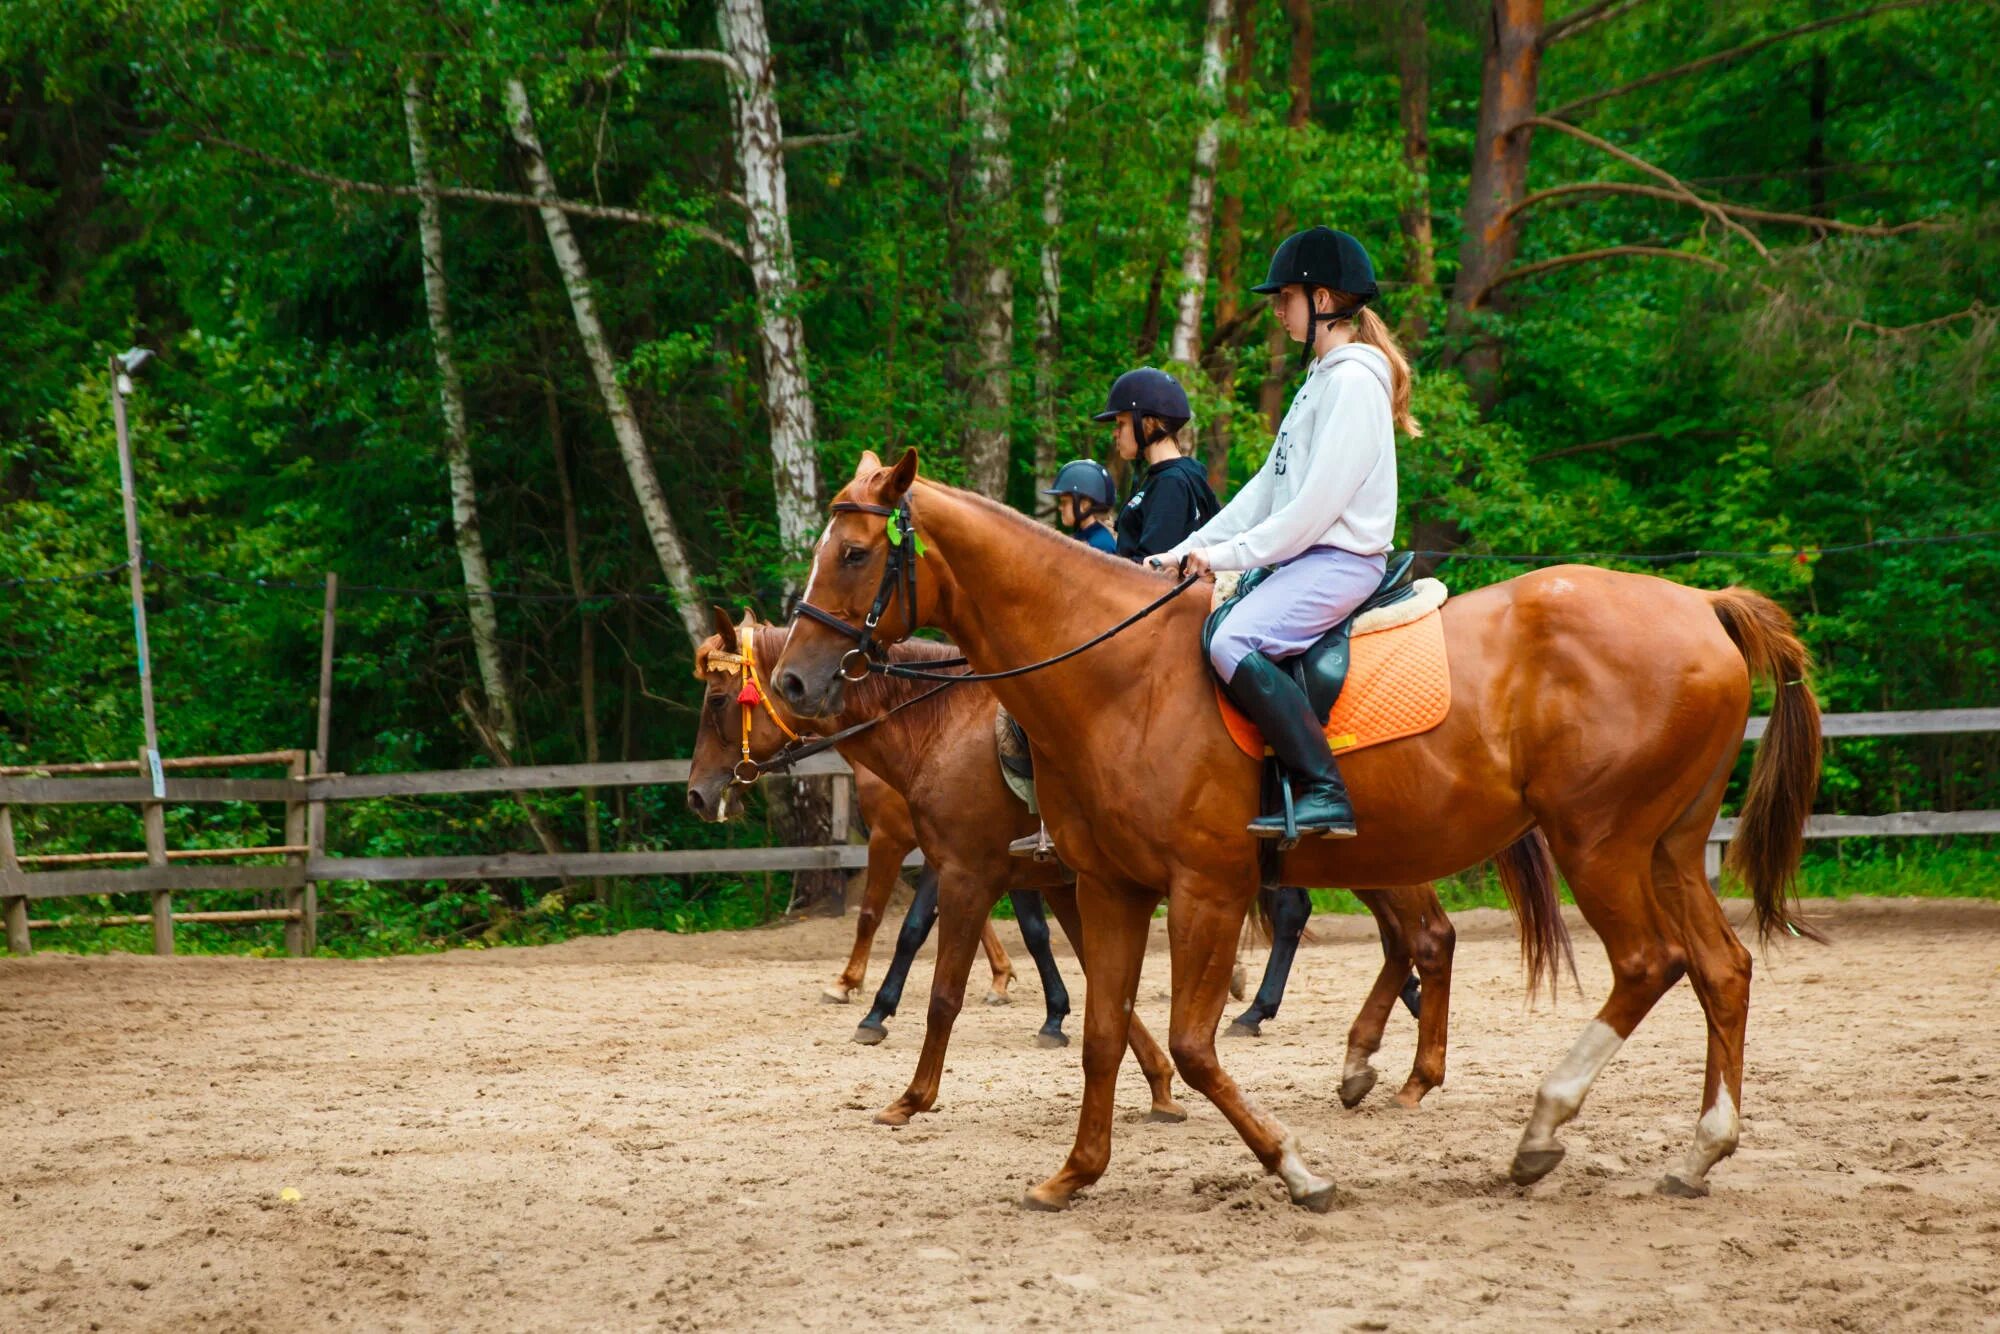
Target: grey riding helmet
{"type": "Point", "coordinates": [1322, 257]}
{"type": "Point", "coordinates": [1086, 479]}
{"type": "Point", "coordinates": [1145, 393]}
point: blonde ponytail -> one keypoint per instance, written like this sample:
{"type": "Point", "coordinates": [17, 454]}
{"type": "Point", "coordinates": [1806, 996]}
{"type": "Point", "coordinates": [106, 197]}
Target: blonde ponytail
{"type": "Point", "coordinates": [1371, 329]}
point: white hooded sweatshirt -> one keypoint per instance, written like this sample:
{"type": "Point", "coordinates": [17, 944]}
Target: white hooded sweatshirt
{"type": "Point", "coordinates": [1330, 479]}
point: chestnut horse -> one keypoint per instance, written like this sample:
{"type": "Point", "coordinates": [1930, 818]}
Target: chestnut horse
{"type": "Point", "coordinates": [1607, 709]}
{"type": "Point", "coordinates": [892, 834]}
{"type": "Point", "coordinates": [940, 754]}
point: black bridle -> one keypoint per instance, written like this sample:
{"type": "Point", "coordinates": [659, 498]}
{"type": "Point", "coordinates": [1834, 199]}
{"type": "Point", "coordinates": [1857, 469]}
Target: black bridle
{"type": "Point", "coordinates": [899, 571]}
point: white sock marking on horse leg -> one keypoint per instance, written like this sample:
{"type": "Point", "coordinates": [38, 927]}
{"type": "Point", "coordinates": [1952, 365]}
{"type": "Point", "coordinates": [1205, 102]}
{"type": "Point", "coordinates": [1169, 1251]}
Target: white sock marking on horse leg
{"type": "Point", "coordinates": [1292, 1170]}
{"type": "Point", "coordinates": [1357, 1063]}
{"type": "Point", "coordinates": [1714, 1138]}
{"type": "Point", "coordinates": [1562, 1093]}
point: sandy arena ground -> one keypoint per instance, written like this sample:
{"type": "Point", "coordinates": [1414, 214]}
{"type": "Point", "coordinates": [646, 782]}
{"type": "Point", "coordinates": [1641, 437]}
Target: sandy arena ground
{"type": "Point", "coordinates": [668, 1131]}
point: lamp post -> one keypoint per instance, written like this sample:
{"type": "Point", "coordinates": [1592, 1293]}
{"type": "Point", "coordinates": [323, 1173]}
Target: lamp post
{"type": "Point", "coordinates": [123, 366]}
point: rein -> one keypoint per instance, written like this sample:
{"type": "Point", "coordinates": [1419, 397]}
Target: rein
{"type": "Point", "coordinates": [900, 572]}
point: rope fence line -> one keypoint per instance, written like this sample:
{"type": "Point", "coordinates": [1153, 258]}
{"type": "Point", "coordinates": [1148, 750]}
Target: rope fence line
{"type": "Point", "coordinates": [1795, 554]}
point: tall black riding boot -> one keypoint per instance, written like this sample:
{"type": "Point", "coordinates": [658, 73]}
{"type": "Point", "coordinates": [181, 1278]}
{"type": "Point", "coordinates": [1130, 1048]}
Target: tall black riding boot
{"type": "Point", "coordinates": [1275, 703]}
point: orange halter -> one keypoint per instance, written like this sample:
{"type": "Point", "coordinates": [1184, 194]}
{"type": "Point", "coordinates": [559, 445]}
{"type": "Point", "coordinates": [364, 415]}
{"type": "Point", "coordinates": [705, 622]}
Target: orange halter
{"type": "Point", "coordinates": [750, 697]}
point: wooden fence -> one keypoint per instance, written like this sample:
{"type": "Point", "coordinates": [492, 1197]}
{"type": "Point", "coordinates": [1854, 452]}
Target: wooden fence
{"type": "Point", "coordinates": [306, 791]}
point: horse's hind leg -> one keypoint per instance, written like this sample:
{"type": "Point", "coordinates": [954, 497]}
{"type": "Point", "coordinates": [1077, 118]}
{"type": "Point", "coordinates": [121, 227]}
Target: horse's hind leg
{"type": "Point", "coordinates": [916, 930]}
{"type": "Point", "coordinates": [1035, 933]}
{"type": "Point", "coordinates": [964, 902]}
{"type": "Point", "coordinates": [1364, 1037]}
{"type": "Point", "coordinates": [1611, 884]}
{"type": "Point", "coordinates": [1718, 968]}
{"type": "Point", "coordinates": [1431, 940]}
{"type": "Point", "coordinates": [1003, 967]}
{"type": "Point", "coordinates": [1152, 1059]}
{"type": "Point", "coordinates": [1291, 908]}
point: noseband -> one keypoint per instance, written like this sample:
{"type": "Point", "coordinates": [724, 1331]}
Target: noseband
{"type": "Point", "coordinates": [899, 571]}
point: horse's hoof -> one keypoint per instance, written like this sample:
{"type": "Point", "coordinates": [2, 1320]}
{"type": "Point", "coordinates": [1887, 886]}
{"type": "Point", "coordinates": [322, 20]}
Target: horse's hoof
{"type": "Point", "coordinates": [868, 1035]}
{"type": "Point", "coordinates": [1681, 1190]}
{"type": "Point", "coordinates": [1319, 1199]}
{"type": "Point", "coordinates": [1355, 1087]}
{"type": "Point", "coordinates": [1410, 1095]}
{"type": "Point", "coordinates": [1055, 1039]}
{"type": "Point", "coordinates": [1531, 1165]}
{"type": "Point", "coordinates": [1244, 1029]}
{"type": "Point", "coordinates": [892, 1116]}
{"type": "Point", "coordinates": [1168, 1113]}
{"type": "Point", "coordinates": [834, 995]}
{"type": "Point", "coordinates": [998, 998]}
{"type": "Point", "coordinates": [1041, 1200]}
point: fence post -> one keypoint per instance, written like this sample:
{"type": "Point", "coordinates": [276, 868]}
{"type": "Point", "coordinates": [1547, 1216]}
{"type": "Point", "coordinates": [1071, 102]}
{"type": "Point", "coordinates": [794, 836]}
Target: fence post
{"type": "Point", "coordinates": [17, 905]}
{"type": "Point", "coordinates": [295, 836]}
{"type": "Point", "coordinates": [154, 816]}
{"type": "Point", "coordinates": [315, 850]}
{"type": "Point", "coordinates": [843, 808]}
{"type": "Point", "coordinates": [1711, 862]}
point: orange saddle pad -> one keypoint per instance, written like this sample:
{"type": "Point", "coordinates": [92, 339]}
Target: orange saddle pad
{"type": "Point", "coordinates": [1398, 684]}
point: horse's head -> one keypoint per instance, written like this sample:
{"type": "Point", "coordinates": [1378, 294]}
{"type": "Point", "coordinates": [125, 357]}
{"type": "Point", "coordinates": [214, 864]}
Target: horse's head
{"type": "Point", "coordinates": [735, 724]}
{"type": "Point", "coordinates": [863, 590]}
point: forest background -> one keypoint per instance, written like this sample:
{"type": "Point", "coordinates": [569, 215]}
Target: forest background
{"type": "Point", "coordinates": [545, 326]}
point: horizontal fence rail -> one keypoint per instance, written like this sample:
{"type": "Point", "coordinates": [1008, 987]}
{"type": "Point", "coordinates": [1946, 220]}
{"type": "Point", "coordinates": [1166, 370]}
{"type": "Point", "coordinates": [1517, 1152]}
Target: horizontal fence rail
{"type": "Point", "coordinates": [306, 793]}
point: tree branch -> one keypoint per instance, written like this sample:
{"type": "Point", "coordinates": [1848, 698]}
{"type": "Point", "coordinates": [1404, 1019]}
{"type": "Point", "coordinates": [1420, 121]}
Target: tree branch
{"type": "Point", "coordinates": [1584, 257]}
{"type": "Point", "coordinates": [698, 55]}
{"type": "Point", "coordinates": [1734, 53]}
{"type": "Point", "coordinates": [1590, 15]}
{"type": "Point", "coordinates": [1734, 210]}
{"type": "Point", "coordinates": [605, 212]}
{"type": "Point", "coordinates": [1616, 442]}
{"type": "Point", "coordinates": [793, 143]}
{"type": "Point", "coordinates": [1681, 187]}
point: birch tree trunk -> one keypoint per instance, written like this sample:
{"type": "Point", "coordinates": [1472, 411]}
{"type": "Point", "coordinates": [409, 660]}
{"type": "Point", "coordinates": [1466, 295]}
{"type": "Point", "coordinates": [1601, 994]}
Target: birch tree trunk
{"type": "Point", "coordinates": [1499, 173]}
{"type": "Point", "coordinates": [990, 394]}
{"type": "Point", "coordinates": [659, 521]}
{"type": "Point", "coordinates": [1185, 345]}
{"type": "Point", "coordinates": [1048, 299]}
{"type": "Point", "coordinates": [781, 332]}
{"type": "Point", "coordinates": [457, 436]}
{"type": "Point", "coordinates": [1229, 312]}
{"type": "Point", "coordinates": [1412, 41]}
{"type": "Point", "coordinates": [1298, 77]}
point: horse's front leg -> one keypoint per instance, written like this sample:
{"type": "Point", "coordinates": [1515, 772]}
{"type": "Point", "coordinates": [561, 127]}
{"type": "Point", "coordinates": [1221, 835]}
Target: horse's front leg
{"type": "Point", "coordinates": [1115, 920]}
{"type": "Point", "coordinates": [964, 902]}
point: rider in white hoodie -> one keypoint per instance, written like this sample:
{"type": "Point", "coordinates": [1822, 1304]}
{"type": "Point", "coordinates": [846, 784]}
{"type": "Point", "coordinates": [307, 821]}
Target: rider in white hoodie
{"type": "Point", "coordinates": [1322, 510]}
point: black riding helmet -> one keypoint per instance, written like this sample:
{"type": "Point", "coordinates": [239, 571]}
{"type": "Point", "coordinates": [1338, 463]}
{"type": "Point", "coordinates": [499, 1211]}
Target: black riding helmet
{"type": "Point", "coordinates": [1322, 257]}
{"type": "Point", "coordinates": [1087, 479]}
{"type": "Point", "coordinates": [1145, 393]}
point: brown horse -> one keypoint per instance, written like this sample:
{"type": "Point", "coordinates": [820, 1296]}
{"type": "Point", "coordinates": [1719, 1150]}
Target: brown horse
{"type": "Point", "coordinates": [892, 834]}
{"type": "Point", "coordinates": [1605, 708]}
{"type": "Point", "coordinates": [941, 755]}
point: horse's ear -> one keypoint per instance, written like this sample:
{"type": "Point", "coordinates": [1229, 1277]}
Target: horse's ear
{"type": "Point", "coordinates": [870, 464]}
{"type": "Point", "coordinates": [725, 629]}
{"type": "Point", "coordinates": [750, 621]}
{"type": "Point", "coordinates": [901, 476]}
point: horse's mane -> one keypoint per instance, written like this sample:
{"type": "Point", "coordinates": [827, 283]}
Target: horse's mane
{"type": "Point", "coordinates": [1103, 564]}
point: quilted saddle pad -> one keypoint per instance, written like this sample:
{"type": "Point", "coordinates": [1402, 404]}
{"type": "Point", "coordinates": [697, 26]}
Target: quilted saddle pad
{"type": "Point", "coordinates": [1398, 685]}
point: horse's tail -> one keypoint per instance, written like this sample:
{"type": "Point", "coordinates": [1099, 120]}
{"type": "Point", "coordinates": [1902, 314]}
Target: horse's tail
{"type": "Point", "coordinates": [1784, 778]}
{"type": "Point", "coordinates": [1528, 875]}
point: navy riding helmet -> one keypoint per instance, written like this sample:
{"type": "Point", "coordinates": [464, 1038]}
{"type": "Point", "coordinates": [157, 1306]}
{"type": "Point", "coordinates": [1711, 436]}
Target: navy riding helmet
{"type": "Point", "coordinates": [1087, 479]}
{"type": "Point", "coordinates": [1322, 257]}
{"type": "Point", "coordinates": [1145, 393]}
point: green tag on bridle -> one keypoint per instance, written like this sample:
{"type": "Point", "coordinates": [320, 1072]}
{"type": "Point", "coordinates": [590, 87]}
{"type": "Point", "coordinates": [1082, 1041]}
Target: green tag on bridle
{"type": "Point", "coordinates": [895, 529]}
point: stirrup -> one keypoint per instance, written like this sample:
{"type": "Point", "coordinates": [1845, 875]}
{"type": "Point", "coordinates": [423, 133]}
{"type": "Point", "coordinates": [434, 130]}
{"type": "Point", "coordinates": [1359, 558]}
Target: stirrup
{"type": "Point", "coordinates": [1036, 845]}
{"type": "Point", "coordinates": [1288, 836]}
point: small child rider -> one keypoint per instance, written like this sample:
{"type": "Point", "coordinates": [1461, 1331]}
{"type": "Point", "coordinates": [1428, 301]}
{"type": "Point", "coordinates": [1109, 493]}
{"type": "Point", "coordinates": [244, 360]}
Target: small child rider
{"type": "Point", "coordinates": [1084, 492]}
{"type": "Point", "coordinates": [1150, 410]}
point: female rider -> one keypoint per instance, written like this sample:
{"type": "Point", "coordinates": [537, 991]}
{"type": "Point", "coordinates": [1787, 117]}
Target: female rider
{"type": "Point", "coordinates": [1150, 409]}
{"type": "Point", "coordinates": [1321, 511]}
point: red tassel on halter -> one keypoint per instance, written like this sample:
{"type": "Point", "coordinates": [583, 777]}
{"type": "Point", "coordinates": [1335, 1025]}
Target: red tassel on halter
{"type": "Point", "coordinates": [749, 695]}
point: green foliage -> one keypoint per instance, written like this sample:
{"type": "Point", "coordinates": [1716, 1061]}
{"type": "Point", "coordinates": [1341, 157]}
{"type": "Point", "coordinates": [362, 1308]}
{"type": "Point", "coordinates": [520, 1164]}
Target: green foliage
{"type": "Point", "coordinates": [291, 425]}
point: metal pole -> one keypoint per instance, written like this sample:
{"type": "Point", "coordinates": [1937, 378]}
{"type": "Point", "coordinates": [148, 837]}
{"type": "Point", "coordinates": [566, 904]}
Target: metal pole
{"type": "Point", "coordinates": [119, 385]}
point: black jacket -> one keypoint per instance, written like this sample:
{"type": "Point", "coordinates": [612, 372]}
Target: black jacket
{"type": "Point", "coordinates": [1172, 501]}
